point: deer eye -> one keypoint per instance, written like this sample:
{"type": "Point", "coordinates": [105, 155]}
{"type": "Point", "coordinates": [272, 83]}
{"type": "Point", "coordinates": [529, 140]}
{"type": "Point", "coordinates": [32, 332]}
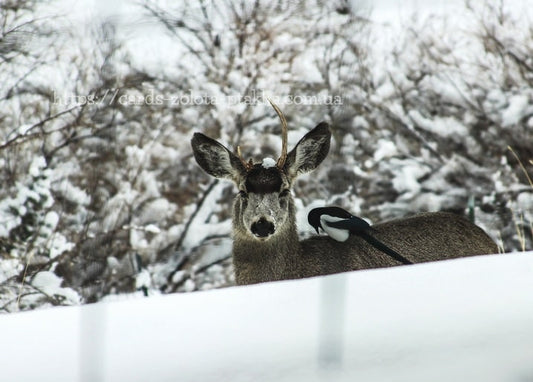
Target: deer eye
{"type": "Point", "coordinates": [284, 193]}
{"type": "Point", "coordinates": [243, 194]}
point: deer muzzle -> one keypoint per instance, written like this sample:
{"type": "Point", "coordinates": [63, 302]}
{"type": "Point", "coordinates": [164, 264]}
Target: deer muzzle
{"type": "Point", "coordinates": [262, 228]}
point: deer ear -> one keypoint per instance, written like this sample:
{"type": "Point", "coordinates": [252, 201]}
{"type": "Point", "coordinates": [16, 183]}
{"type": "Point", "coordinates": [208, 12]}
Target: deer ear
{"type": "Point", "coordinates": [309, 152]}
{"type": "Point", "coordinates": [215, 158]}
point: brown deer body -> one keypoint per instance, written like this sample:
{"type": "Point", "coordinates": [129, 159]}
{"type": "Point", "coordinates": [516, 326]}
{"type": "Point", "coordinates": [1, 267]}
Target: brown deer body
{"type": "Point", "coordinates": [266, 246]}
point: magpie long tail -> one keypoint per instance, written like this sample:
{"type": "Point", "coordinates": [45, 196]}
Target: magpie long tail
{"type": "Point", "coordinates": [382, 247]}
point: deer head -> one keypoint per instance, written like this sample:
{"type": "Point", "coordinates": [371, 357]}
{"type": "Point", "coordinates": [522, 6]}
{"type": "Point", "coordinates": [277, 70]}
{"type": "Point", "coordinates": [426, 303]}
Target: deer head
{"type": "Point", "coordinates": [263, 207]}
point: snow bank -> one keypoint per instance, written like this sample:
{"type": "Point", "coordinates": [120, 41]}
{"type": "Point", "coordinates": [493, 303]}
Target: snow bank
{"type": "Point", "coordinates": [467, 319]}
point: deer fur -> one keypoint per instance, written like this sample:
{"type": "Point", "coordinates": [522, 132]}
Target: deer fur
{"type": "Point", "coordinates": [266, 246]}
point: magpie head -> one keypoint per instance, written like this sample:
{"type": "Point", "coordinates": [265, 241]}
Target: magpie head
{"type": "Point", "coordinates": [314, 219]}
{"type": "Point", "coordinates": [314, 215]}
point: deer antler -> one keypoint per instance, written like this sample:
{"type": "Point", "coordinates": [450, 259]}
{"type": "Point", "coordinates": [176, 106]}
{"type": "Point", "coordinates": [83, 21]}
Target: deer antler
{"type": "Point", "coordinates": [247, 165]}
{"type": "Point", "coordinates": [283, 156]}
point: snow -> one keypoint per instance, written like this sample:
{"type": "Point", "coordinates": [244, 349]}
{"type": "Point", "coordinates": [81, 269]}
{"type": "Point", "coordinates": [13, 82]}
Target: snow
{"type": "Point", "coordinates": [384, 149]}
{"type": "Point", "coordinates": [442, 126]}
{"type": "Point", "coordinates": [59, 244]}
{"type": "Point", "coordinates": [467, 319]}
{"type": "Point", "coordinates": [268, 163]}
{"type": "Point", "coordinates": [37, 165]}
{"type": "Point", "coordinates": [152, 228]}
{"type": "Point", "coordinates": [519, 107]}
{"type": "Point", "coordinates": [50, 284]}
{"type": "Point", "coordinates": [9, 268]}
{"type": "Point", "coordinates": [392, 12]}
{"type": "Point", "coordinates": [202, 227]}
{"type": "Point", "coordinates": [143, 279]}
{"type": "Point", "coordinates": [73, 193]}
{"type": "Point", "coordinates": [406, 181]}
{"type": "Point", "coordinates": [51, 219]}
{"type": "Point", "coordinates": [524, 201]}
{"type": "Point", "coordinates": [305, 69]}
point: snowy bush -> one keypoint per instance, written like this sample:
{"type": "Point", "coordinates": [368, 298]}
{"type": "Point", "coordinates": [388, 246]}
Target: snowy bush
{"type": "Point", "coordinates": [459, 100]}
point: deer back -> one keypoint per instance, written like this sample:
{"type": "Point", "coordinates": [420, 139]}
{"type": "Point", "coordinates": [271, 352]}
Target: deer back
{"type": "Point", "coordinates": [420, 238]}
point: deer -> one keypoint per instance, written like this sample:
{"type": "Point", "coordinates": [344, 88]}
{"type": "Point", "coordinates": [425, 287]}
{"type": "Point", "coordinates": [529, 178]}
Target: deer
{"type": "Point", "coordinates": [266, 245]}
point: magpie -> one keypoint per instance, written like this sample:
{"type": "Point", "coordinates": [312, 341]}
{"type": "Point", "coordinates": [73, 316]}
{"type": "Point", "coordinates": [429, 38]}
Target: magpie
{"type": "Point", "coordinates": [336, 222]}
{"type": "Point", "coordinates": [339, 224]}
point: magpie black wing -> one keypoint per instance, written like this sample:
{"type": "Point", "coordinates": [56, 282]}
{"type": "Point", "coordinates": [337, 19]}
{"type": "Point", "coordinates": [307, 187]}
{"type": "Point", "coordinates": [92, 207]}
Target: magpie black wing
{"type": "Point", "coordinates": [353, 224]}
{"type": "Point", "coordinates": [361, 228]}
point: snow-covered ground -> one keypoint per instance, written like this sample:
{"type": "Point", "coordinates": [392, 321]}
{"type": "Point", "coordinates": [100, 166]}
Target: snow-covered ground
{"type": "Point", "coordinates": [462, 320]}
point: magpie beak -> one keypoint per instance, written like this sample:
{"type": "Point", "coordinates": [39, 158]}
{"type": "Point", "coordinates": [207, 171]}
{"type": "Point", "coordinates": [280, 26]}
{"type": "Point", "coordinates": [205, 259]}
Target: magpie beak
{"type": "Point", "coordinates": [336, 222]}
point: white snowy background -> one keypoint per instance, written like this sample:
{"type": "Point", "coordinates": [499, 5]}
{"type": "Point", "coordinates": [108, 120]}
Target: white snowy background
{"type": "Point", "coordinates": [101, 200]}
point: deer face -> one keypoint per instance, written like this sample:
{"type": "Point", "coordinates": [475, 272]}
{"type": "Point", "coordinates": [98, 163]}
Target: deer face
{"type": "Point", "coordinates": [264, 203]}
{"type": "Point", "coordinates": [264, 206]}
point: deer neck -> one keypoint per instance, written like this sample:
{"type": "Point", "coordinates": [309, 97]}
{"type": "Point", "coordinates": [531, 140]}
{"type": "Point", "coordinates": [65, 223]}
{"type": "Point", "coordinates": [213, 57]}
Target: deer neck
{"type": "Point", "coordinates": [258, 261]}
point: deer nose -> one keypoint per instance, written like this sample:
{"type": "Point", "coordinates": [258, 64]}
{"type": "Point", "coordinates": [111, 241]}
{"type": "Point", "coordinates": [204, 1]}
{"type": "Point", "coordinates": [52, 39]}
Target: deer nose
{"type": "Point", "coordinates": [262, 228]}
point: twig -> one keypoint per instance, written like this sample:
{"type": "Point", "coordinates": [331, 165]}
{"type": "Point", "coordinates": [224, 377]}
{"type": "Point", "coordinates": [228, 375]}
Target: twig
{"type": "Point", "coordinates": [17, 138]}
{"type": "Point", "coordinates": [521, 165]}
{"type": "Point", "coordinates": [193, 215]}
{"type": "Point", "coordinates": [410, 129]}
